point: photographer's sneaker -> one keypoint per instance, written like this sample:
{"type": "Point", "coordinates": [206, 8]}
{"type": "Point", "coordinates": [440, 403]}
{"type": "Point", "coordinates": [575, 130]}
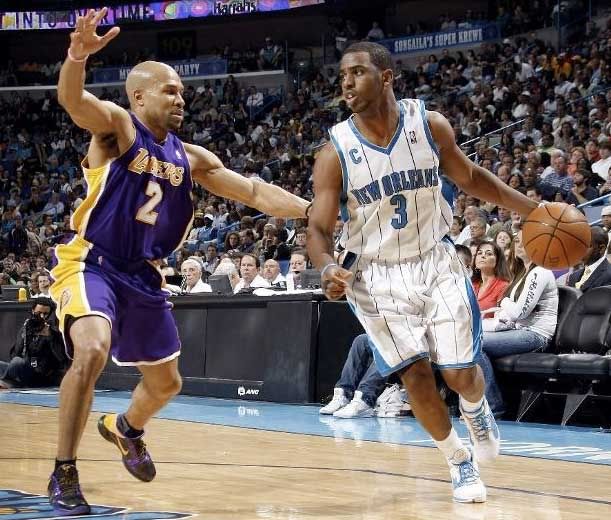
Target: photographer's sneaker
{"type": "Point", "coordinates": [65, 494]}
{"type": "Point", "coordinates": [466, 484]}
{"type": "Point", "coordinates": [484, 433]}
{"type": "Point", "coordinates": [339, 401]}
{"type": "Point", "coordinates": [355, 408]}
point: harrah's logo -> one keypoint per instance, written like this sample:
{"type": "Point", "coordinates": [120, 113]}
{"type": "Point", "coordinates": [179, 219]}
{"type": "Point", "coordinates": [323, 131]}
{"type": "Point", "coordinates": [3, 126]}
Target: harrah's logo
{"type": "Point", "coordinates": [228, 7]}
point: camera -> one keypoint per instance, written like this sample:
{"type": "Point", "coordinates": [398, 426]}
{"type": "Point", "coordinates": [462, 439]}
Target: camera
{"type": "Point", "coordinates": [35, 324]}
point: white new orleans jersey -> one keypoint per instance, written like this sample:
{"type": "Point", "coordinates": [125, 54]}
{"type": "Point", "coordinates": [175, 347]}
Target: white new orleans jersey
{"type": "Point", "coordinates": [392, 202]}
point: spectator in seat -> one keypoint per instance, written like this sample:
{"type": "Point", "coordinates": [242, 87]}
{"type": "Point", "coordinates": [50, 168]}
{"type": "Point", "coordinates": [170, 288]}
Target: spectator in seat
{"type": "Point", "coordinates": [597, 269]}
{"type": "Point", "coordinates": [271, 272]}
{"type": "Point", "coordinates": [359, 386]}
{"type": "Point", "coordinates": [191, 269]}
{"type": "Point", "coordinates": [490, 275]}
{"type": "Point", "coordinates": [211, 259]}
{"type": "Point", "coordinates": [228, 268]}
{"type": "Point", "coordinates": [44, 283]}
{"type": "Point", "coordinates": [525, 322]}
{"type": "Point", "coordinates": [581, 191]}
{"type": "Point", "coordinates": [602, 166]}
{"type": "Point", "coordinates": [270, 56]}
{"type": "Point", "coordinates": [605, 217]}
{"type": "Point", "coordinates": [249, 271]}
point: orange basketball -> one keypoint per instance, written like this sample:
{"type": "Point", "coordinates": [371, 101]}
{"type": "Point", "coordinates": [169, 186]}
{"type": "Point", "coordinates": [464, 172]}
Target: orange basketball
{"type": "Point", "coordinates": [556, 235]}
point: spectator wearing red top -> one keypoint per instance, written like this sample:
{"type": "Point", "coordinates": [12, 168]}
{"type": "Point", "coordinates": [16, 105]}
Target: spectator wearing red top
{"type": "Point", "coordinates": [491, 275]}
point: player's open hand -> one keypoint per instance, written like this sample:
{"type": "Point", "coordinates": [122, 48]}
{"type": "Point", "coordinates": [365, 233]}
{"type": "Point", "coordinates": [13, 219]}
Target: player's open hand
{"type": "Point", "coordinates": [335, 282]}
{"type": "Point", "coordinates": [85, 40]}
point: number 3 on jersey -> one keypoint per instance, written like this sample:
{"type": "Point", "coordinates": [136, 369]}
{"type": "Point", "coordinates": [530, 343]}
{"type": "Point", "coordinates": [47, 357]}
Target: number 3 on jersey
{"type": "Point", "coordinates": [146, 212]}
{"type": "Point", "coordinates": [400, 221]}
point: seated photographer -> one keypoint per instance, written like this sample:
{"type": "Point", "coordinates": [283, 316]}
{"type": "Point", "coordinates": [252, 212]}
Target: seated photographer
{"type": "Point", "coordinates": [249, 271]}
{"type": "Point", "coordinates": [38, 357]}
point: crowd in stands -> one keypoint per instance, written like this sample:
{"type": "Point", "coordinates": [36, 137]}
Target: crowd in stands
{"type": "Point", "coordinates": [560, 150]}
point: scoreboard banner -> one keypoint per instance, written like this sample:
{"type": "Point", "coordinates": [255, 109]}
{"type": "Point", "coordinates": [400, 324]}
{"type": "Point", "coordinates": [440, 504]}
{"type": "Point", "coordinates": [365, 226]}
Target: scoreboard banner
{"type": "Point", "coordinates": [441, 40]}
{"type": "Point", "coordinates": [185, 69]}
{"type": "Point", "coordinates": [147, 12]}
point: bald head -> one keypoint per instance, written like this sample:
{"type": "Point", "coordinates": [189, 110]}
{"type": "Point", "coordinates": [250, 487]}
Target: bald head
{"type": "Point", "coordinates": [146, 75]}
{"type": "Point", "coordinates": [155, 92]}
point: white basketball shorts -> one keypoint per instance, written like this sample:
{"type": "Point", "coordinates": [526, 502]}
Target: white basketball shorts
{"type": "Point", "coordinates": [421, 307]}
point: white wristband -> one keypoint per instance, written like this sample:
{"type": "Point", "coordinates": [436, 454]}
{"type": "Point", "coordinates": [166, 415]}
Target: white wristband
{"type": "Point", "coordinates": [322, 271]}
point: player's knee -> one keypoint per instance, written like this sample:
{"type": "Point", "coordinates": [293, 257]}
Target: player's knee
{"type": "Point", "coordinates": [90, 355]}
{"type": "Point", "coordinates": [170, 386]}
{"type": "Point", "coordinates": [460, 380]}
{"type": "Point", "coordinates": [418, 378]}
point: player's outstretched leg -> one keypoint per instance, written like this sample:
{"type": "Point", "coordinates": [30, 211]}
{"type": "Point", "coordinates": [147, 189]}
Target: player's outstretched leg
{"type": "Point", "coordinates": [469, 384]}
{"type": "Point", "coordinates": [90, 337]}
{"type": "Point", "coordinates": [432, 414]}
{"type": "Point", "coordinates": [158, 385]}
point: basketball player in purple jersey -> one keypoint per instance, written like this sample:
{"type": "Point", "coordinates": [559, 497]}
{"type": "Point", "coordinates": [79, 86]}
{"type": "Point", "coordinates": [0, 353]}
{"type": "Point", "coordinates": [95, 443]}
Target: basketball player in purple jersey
{"type": "Point", "coordinates": [107, 284]}
{"type": "Point", "coordinates": [401, 273]}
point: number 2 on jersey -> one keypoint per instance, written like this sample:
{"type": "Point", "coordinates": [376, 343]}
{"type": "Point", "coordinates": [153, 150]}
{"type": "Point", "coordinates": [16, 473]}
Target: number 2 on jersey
{"type": "Point", "coordinates": [146, 212]}
{"type": "Point", "coordinates": [400, 221]}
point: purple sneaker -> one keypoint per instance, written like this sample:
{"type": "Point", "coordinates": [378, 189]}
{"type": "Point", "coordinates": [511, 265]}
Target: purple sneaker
{"type": "Point", "coordinates": [135, 457]}
{"type": "Point", "coordinates": [65, 492]}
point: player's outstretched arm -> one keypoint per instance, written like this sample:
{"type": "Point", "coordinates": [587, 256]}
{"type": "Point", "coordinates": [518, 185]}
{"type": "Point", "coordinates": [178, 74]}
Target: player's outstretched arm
{"type": "Point", "coordinates": [208, 170]}
{"type": "Point", "coordinates": [86, 110]}
{"type": "Point", "coordinates": [321, 223]}
{"type": "Point", "coordinates": [471, 178]}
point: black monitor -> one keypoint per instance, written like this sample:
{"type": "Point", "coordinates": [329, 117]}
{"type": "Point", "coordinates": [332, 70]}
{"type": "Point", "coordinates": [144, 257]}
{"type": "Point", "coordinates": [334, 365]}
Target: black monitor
{"type": "Point", "coordinates": [220, 284]}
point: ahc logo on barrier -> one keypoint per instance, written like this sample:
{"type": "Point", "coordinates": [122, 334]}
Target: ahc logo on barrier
{"type": "Point", "coordinates": [247, 391]}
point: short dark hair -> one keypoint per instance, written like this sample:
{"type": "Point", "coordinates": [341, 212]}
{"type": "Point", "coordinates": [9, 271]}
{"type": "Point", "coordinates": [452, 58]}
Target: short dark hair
{"type": "Point", "coordinates": [378, 54]}
{"type": "Point", "coordinates": [45, 302]}
{"type": "Point", "coordinates": [254, 257]}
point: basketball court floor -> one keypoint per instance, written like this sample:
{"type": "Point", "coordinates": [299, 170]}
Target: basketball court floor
{"type": "Point", "coordinates": [222, 459]}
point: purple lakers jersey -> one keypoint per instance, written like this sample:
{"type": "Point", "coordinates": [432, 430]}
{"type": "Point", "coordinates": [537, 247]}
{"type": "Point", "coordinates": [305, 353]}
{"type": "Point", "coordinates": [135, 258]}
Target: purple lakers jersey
{"type": "Point", "coordinates": [138, 207]}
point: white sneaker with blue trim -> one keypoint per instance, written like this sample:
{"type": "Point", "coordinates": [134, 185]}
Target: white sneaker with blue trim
{"type": "Point", "coordinates": [466, 484]}
{"type": "Point", "coordinates": [484, 433]}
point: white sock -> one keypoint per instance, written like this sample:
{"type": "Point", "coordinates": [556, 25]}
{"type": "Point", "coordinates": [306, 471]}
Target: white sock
{"type": "Point", "coordinates": [453, 448]}
{"type": "Point", "coordinates": [470, 407]}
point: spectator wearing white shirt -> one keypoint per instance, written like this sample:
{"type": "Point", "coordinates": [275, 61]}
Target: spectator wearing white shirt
{"type": "Point", "coordinates": [249, 271]}
{"type": "Point", "coordinates": [191, 269]}
{"type": "Point", "coordinates": [602, 166]}
{"type": "Point", "coordinates": [271, 272]}
{"type": "Point", "coordinates": [255, 98]}
{"type": "Point", "coordinates": [523, 106]}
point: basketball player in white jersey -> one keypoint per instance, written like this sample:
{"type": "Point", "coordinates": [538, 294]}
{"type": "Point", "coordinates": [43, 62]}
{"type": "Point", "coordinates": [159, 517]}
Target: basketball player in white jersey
{"type": "Point", "coordinates": [401, 274]}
